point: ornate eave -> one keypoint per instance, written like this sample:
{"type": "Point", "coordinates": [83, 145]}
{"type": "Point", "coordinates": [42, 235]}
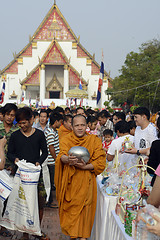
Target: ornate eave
{"type": "Point", "coordinates": [78, 76]}
{"type": "Point", "coordinates": [53, 8]}
{"type": "Point", "coordinates": [16, 57]}
{"type": "Point", "coordinates": [49, 51]}
{"type": "Point", "coordinates": [92, 60]}
{"type": "Point", "coordinates": [25, 81]}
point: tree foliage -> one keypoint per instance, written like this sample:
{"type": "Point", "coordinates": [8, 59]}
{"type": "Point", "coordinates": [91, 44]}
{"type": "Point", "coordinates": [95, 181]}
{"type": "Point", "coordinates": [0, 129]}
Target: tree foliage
{"type": "Point", "coordinates": [139, 69]}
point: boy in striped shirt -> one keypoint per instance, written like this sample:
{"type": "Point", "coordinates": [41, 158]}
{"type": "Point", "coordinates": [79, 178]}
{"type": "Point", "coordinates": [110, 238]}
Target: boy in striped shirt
{"type": "Point", "coordinates": [53, 149]}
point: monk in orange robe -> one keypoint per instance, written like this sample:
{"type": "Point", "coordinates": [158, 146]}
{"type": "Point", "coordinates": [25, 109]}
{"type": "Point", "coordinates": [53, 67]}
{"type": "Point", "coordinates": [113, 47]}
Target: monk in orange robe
{"type": "Point", "coordinates": [75, 181]}
{"type": "Point", "coordinates": [66, 127]}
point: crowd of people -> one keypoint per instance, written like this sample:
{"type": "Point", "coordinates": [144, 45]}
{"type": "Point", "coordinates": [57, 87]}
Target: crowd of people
{"type": "Point", "coordinates": [49, 134]}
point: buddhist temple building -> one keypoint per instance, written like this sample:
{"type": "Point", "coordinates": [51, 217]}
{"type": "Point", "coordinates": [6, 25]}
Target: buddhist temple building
{"type": "Point", "coordinates": [53, 63]}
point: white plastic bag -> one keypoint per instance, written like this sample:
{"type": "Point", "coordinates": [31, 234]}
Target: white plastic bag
{"type": "Point", "coordinates": [22, 208]}
{"type": "Point", "coordinates": [6, 185]}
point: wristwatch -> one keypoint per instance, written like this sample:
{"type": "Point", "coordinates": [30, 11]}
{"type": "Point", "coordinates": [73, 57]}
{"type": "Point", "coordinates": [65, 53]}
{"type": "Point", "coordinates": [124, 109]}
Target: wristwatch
{"type": "Point", "coordinates": [138, 153]}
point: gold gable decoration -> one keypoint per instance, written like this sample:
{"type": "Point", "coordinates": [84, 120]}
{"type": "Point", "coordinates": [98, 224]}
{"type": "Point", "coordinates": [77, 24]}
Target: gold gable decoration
{"type": "Point", "coordinates": [54, 84]}
{"type": "Point", "coordinates": [53, 29]}
{"type": "Point", "coordinates": [52, 105]}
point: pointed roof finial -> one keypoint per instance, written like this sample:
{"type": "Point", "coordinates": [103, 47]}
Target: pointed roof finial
{"type": "Point", "coordinates": [54, 2]}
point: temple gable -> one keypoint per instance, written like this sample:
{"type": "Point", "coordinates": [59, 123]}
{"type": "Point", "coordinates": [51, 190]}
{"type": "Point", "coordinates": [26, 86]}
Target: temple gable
{"type": "Point", "coordinates": [54, 27]}
{"type": "Point", "coordinates": [54, 55]}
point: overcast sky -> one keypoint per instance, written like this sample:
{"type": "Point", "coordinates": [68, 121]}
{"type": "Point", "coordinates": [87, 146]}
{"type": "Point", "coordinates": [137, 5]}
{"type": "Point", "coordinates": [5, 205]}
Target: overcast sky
{"type": "Point", "coordinates": [116, 26]}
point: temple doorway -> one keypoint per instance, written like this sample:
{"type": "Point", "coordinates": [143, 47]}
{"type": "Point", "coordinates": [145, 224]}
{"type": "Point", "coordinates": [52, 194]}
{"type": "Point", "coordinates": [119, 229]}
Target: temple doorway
{"type": "Point", "coordinates": [54, 94]}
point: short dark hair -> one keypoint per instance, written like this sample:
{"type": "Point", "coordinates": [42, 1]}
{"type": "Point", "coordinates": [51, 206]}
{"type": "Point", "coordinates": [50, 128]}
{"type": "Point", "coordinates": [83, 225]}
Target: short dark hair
{"type": "Point", "coordinates": [67, 109]}
{"type": "Point", "coordinates": [78, 108]}
{"type": "Point", "coordinates": [58, 110]}
{"type": "Point", "coordinates": [91, 119]}
{"type": "Point", "coordinates": [55, 117]}
{"type": "Point", "coordinates": [48, 111]}
{"type": "Point", "coordinates": [35, 113]}
{"type": "Point", "coordinates": [67, 117]}
{"type": "Point", "coordinates": [122, 127]}
{"type": "Point", "coordinates": [8, 108]}
{"type": "Point", "coordinates": [104, 114]}
{"type": "Point", "coordinates": [1, 110]}
{"type": "Point", "coordinates": [142, 111]}
{"type": "Point", "coordinates": [120, 115]}
{"type": "Point", "coordinates": [44, 111]}
{"type": "Point", "coordinates": [79, 115]}
{"type": "Point", "coordinates": [24, 113]}
{"type": "Point", "coordinates": [108, 132]}
{"type": "Point", "coordinates": [90, 111]}
{"type": "Point", "coordinates": [131, 124]}
{"type": "Point", "coordinates": [73, 111]}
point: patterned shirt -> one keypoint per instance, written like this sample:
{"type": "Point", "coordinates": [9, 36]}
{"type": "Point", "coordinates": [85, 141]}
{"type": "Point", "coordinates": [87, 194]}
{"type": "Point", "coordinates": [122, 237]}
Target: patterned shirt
{"type": "Point", "coordinates": [107, 125]}
{"type": "Point", "coordinates": [52, 138]}
{"type": "Point", "coordinates": [7, 135]}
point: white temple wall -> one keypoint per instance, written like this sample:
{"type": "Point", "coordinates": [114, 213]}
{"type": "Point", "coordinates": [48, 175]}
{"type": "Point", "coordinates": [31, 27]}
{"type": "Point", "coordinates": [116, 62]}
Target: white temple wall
{"type": "Point", "coordinates": [14, 85]}
{"type": "Point", "coordinates": [80, 64]}
{"type": "Point", "coordinates": [29, 63]}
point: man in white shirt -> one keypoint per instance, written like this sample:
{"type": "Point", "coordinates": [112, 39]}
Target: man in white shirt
{"type": "Point", "coordinates": [125, 160]}
{"type": "Point", "coordinates": [145, 132]}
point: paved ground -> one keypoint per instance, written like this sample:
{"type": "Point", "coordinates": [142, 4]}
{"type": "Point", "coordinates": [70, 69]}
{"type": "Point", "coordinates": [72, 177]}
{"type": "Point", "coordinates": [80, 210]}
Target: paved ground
{"type": "Point", "coordinates": [50, 225]}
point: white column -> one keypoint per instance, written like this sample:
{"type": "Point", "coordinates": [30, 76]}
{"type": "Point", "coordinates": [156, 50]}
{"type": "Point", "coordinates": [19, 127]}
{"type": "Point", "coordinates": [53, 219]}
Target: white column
{"type": "Point", "coordinates": [66, 81]}
{"type": "Point", "coordinates": [42, 83]}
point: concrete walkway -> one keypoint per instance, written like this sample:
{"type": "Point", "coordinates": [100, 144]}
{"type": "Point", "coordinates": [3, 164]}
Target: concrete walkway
{"type": "Point", "coordinates": [50, 225]}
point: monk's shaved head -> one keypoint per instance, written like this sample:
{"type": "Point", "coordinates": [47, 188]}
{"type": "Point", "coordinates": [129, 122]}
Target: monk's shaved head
{"type": "Point", "coordinates": [79, 125]}
{"type": "Point", "coordinates": [78, 116]}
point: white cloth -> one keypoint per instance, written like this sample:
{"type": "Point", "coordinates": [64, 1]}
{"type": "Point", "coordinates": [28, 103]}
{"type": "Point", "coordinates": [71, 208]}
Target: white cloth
{"type": "Point", "coordinates": [105, 204]}
{"type": "Point", "coordinates": [22, 207]}
{"type": "Point", "coordinates": [46, 178]}
{"type": "Point", "coordinates": [117, 229]}
{"type": "Point", "coordinates": [144, 138]}
{"type": "Point", "coordinates": [126, 160]}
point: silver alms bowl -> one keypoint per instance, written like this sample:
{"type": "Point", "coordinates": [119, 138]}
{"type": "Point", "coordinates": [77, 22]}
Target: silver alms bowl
{"type": "Point", "coordinates": [80, 152]}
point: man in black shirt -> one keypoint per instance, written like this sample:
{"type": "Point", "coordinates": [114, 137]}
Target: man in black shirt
{"type": "Point", "coordinates": [27, 143]}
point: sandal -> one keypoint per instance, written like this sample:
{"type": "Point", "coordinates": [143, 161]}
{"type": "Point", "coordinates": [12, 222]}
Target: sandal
{"type": "Point", "coordinates": [5, 233]}
{"type": "Point", "coordinates": [43, 237]}
{"type": "Point", "coordinates": [53, 205]}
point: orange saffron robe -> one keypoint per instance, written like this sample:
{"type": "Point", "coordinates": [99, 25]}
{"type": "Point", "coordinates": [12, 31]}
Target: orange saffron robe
{"type": "Point", "coordinates": [62, 131]}
{"type": "Point", "coordinates": [76, 189]}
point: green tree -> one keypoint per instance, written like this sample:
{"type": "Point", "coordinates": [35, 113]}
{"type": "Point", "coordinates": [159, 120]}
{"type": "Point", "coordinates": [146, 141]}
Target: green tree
{"type": "Point", "coordinates": [139, 69]}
